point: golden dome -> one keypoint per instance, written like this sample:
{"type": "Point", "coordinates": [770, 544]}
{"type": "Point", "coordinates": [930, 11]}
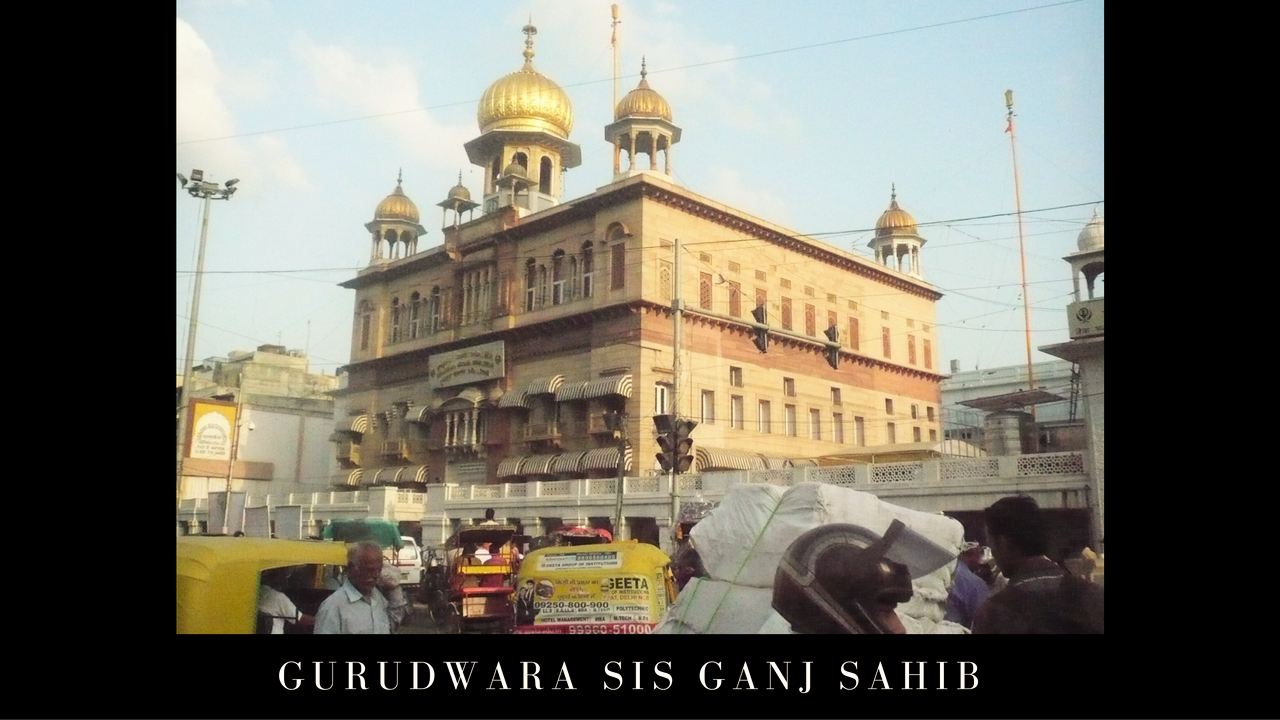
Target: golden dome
{"type": "Point", "coordinates": [643, 101]}
{"type": "Point", "coordinates": [895, 219]}
{"type": "Point", "coordinates": [396, 206]}
{"type": "Point", "coordinates": [526, 100]}
{"type": "Point", "coordinates": [459, 191]}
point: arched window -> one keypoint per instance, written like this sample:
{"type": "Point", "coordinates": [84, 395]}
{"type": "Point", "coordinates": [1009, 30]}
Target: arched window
{"type": "Point", "coordinates": [522, 160]}
{"type": "Point", "coordinates": [530, 285]}
{"type": "Point", "coordinates": [557, 278]}
{"type": "Point", "coordinates": [588, 269]}
{"type": "Point", "coordinates": [497, 169]}
{"type": "Point", "coordinates": [544, 176]}
{"type": "Point", "coordinates": [575, 282]}
{"type": "Point", "coordinates": [544, 290]}
{"type": "Point", "coordinates": [395, 320]}
{"type": "Point", "coordinates": [433, 311]}
{"type": "Point", "coordinates": [415, 315]}
{"type": "Point", "coordinates": [366, 324]}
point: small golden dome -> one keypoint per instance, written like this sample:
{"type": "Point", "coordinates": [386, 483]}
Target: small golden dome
{"type": "Point", "coordinates": [515, 169]}
{"type": "Point", "coordinates": [644, 101]}
{"type": "Point", "coordinates": [1090, 237]}
{"type": "Point", "coordinates": [526, 100]}
{"type": "Point", "coordinates": [895, 219]}
{"type": "Point", "coordinates": [396, 206]}
{"type": "Point", "coordinates": [459, 191]}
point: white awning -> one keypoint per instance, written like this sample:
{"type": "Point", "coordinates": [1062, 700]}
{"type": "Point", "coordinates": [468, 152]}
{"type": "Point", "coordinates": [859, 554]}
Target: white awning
{"type": "Point", "coordinates": [414, 473]}
{"type": "Point", "coordinates": [354, 478]}
{"type": "Point", "coordinates": [571, 391]}
{"type": "Point", "coordinates": [538, 464]}
{"type": "Point", "coordinates": [358, 424]}
{"type": "Point", "coordinates": [613, 385]}
{"type": "Point", "coordinates": [515, 397]}
{"type": "Point", "coordinates": [705, 458]}
{"type": "Point", "coordinates": [386, 475]}
{"type": "Point", "coordinates": [605, 459]}
{"type": "Point", "coordinates": [510, 465]}
{"type": "Point", "coordinates": [569, 462]}
{"type": "Point", "coordinates": [545, 386]}
{"type": "Point", "coordinates": [420, 415]}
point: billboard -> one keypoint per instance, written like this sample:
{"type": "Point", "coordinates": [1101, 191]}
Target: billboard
{"type": "Point", "coordinates": [209, 428]}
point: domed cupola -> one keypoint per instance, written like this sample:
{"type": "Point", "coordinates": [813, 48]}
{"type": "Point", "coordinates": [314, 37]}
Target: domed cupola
{"type": "Point", "coordinates": [896, 242]}
{"type": "Point", "coordinates": [524, 118]}
{"type": "Point", "coordinates": [395, 226]}
{"type": "Point", "coordinates": [1089, 261]}
{"type": "Point", "coordinates": [1091, 236]}
{"type": "Point", "coordinates": [642, 124]}
{"type": "Point", "coordinates": [459, 201]}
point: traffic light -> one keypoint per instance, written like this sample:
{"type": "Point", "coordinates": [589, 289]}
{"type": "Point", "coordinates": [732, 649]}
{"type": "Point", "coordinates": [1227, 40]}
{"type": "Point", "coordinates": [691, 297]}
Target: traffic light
{"type": "Point", "coordinates": [674, 440]}
{"type": "Point", "coordinates": [833, 351]}
{"type": "Point", "coordinates": [762, 333]}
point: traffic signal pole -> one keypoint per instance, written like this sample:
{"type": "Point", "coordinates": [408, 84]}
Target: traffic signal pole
{"type": "Point", "coordinates": [677, 312]}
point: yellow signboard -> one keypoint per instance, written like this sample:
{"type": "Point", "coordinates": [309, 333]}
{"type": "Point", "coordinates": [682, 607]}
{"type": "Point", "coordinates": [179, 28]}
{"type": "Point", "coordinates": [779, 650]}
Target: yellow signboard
{"type": "Point", "coordinates": [211, 429]}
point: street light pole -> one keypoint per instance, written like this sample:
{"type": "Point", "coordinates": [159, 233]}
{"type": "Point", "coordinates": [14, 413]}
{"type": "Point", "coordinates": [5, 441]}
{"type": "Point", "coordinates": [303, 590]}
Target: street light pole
{"type": "Point", "coordinates": [616, 423]}
{"type": "Point", "coordinates": [197, 187]}
{"type": "Point", "coordinates": [231, 464]}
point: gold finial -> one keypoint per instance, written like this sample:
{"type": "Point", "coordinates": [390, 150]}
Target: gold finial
{"type": "Point", "coordinates": [399, 176]}
{"type": "Point", "coordinates": [643, 71]}
{"type": "Point", "coordinates": [893, 194]}
{"type": "Point", "coordinates": [459, 177]}
{"type": "Point", "coordinates": [529, 31]}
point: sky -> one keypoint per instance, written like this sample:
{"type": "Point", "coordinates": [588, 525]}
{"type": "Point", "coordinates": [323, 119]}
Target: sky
{"type": "Point", "coordinates": [803, 114]}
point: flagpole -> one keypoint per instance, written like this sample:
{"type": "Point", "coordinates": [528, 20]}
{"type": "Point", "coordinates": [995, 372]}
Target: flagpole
{"type": "Point", "coordinates": [1022, 248]}
{"type": "Point", "coordinates": [613, 41]}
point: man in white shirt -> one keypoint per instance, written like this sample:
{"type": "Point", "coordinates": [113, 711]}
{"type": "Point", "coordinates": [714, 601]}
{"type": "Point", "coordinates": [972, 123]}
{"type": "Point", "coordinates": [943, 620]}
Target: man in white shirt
{"type": "Point", "coordinates": [277, 605]}
{"type": "Point", "coordinates": [358, 607]}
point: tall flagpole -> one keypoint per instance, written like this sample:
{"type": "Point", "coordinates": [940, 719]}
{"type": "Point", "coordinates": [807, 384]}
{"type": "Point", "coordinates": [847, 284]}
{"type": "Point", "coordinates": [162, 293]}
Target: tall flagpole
{"type": "Point", "coordinates": [1022, 248]}
{"type": "Point", "coordinates": [614, 42]}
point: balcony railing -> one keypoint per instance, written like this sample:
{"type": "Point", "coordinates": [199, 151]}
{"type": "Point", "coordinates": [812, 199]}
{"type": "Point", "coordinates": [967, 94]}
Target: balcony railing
{"type": "Point", "coordinates": [542, 431]}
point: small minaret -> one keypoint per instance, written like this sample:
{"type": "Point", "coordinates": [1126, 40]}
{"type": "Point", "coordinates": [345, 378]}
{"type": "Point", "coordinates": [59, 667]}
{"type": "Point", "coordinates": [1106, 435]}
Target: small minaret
{"type": "Point", "coordinates": [642, 124]}
{"type": "Point", "coordinates": [1088, 261]}
{"type": "Point", "coordinates": [896, 243]}
{"type": "Point", "coordinates": [459, 201]}
{"type": "Point", "coordinates": [395, 227]}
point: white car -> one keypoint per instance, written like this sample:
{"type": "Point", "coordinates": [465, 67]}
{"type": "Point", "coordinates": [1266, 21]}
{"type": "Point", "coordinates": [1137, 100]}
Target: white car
{"type": "Point", "coordinates": [407, 562]}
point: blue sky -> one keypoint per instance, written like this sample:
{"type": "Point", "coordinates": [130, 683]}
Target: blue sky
{"type": "Point", "coordinates": [316, 105]}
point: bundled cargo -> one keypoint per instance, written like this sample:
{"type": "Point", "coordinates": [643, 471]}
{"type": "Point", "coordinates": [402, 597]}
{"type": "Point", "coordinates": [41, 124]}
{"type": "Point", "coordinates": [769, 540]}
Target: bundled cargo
{"type": "Point", "coordinates": [742, 541]}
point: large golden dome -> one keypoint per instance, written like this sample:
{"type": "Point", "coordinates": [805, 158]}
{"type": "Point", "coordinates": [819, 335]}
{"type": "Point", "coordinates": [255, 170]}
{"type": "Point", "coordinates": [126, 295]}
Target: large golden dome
{"type": "Point", "coordinates": [644, 101]}
{"type": "Point", "coordinates": [526, 100]}
{"type": "Point", "coordinates": [895, 219]}
{"type": "Point", "coordinates": [396, 206]}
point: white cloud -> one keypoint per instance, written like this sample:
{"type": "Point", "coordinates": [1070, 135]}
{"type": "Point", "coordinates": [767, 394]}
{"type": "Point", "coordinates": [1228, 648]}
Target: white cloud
{"type": "Point", "coordinates": [202, 114]}
{"type": "Point", "coordinates": [354, 85]}
{"type": "Point", "coordinates": [728, 187]}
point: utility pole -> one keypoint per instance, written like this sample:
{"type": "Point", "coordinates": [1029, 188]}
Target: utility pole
{"type": "Point", "coordinates": [231, 464]}
{"type": "Point", "coordinates": [197, 188]}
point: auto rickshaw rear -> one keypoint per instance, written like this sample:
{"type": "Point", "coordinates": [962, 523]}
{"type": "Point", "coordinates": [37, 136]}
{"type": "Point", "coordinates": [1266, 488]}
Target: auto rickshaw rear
{"type": "Point", "coordinates": [608, 589]}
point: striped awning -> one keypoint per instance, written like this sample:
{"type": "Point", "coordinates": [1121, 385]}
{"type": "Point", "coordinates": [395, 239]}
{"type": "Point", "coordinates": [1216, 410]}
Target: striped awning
{"type": "Point", "coordinates": [415, 474]}
{"type": "Point", "coordinates": [613, 385]}
{"type": "Point", "coordinates": [773, 463]}
{"type": "Point", "coordinates": [605, 459]}
{"type": "Point", "coordinates": [538, 464]}
{"type": "Point", "coordinates": [358, 424]}
{"type": "Point", "coordinates": [510, 465]}
{"type": "Point", "coordinates": [545, 386]}
{"type": "Point", "coordinates": [569, 462]}
{"type": "Point", "coordinates": [354, 478]}
{"type": "Point", "coordinates": [804, 462]}
{"type": "Point", "coordinates": [571, 391]}
{"type": "Point", "coordinates": [705, 458]}
{"type": "Point", "coordinates": [386, 475]}
{"type": "Point", "coordinates": [515, 397]}
{"type": "Point", "coordinates": [420, 414]}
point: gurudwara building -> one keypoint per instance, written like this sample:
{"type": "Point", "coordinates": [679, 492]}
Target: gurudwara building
{"type": "Point", "coordinates": [494, 357]}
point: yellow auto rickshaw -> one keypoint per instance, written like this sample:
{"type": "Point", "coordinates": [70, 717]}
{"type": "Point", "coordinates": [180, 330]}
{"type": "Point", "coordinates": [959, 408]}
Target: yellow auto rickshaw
{"type": "Point", "coordinates": [219, 579]}
{"type": "Point", "coordinates": [603, 589]}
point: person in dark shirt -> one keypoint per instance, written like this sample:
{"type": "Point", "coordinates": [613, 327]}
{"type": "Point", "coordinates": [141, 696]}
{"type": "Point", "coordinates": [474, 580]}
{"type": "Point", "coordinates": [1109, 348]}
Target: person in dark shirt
{"type": "Point", "coordinates": [1041, 597]}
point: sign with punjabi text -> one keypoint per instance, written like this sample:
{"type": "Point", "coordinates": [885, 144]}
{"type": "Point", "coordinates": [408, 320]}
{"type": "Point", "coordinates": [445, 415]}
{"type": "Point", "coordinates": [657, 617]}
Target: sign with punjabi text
{"type": "Point", "coordinates": [468, 365]}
